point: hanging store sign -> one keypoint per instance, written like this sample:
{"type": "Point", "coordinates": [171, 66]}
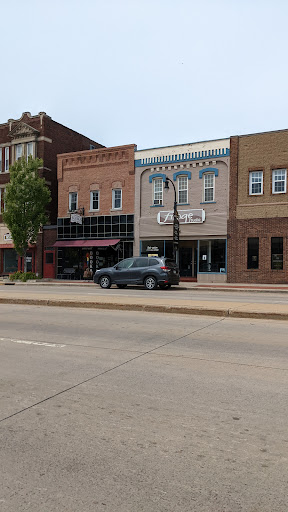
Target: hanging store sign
{"type": "Point", "coordinates": [75, 217]}
{"type": "Point", "coordinates": [185, 217]}
{"type": "Point", "coordinates": [7, 236]}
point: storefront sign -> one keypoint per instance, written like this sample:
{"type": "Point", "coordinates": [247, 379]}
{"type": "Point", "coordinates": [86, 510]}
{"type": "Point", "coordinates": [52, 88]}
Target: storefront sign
{"type": "Point", "coordinates": [75, 217]}
{"type": "Point", "coordinates": [185, 217]}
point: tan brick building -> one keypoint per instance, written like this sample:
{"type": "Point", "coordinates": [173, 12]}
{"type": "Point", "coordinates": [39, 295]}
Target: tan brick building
{"type": "Point", "coordinates": [198, 176]}
{"type": "Point", "coordinates": [258, 212]}
{"type": "Point", "coordinates": [95, 226]}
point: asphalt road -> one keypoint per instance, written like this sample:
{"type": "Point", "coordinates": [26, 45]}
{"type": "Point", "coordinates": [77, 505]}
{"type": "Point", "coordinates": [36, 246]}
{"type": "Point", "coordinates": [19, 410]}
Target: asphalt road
{"type": "Point", "coordinates": [125, 411]}
{"type": "Point", "coordinates": [173, 293]}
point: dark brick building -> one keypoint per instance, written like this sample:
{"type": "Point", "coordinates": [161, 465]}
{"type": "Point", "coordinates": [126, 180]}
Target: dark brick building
{"type": "Point", "coordinates": [42, 137]}
{"type": "Point", "coordinates": [258, 211]}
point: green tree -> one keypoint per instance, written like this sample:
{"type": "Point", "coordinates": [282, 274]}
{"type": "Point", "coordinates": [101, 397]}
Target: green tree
{"type": "Point", "coordinates": [26, 199]}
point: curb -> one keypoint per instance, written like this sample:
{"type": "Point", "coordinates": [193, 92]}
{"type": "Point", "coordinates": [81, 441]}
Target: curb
{"type": "Point", "coordinates": [188, 310]}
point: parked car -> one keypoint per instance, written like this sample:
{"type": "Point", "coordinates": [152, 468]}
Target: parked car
{"type": "Point", "coordinates": [148, 271]}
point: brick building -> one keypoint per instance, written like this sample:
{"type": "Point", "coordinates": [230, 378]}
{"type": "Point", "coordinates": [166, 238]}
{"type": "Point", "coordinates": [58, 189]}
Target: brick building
{"type": "Point", "coordinates": [200, 174]}
{"type": "Point", "coordinates": [44, 138]}
{"type": "Point", "coordinates": [258, 212]}
{"type": "Point", "coordinates": [95, 226]}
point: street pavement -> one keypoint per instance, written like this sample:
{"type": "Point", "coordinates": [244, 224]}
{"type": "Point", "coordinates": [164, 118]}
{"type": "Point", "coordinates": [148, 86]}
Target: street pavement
{"type": "Point", "coordinates": [108, 411]}
{"type": "Point", "coordinates": [269, 302]}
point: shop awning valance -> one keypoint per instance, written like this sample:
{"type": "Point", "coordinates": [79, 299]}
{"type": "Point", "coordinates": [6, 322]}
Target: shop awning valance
{"type": "Point", "coordinates": [86, 243]}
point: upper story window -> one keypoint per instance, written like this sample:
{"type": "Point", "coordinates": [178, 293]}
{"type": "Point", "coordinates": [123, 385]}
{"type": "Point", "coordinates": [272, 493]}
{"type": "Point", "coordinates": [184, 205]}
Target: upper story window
{"type": "Point", "coordinates": [0, 159]}
{"type": "Point", "coordinates": [6, 162]}
{"type": "Point", "coordinates": [157, 191]}
{"type": "Point", "coordinates": [73, 201]}
{"type": "Point", "coordinates": [29, 150]}
{"type": "Point", "coordinates": [279, 181]}
{"type": "Point", "coordinates": [182, 189]}
{"type": "Point", "coordinates": [209, 187]}
{"type": "Point", "coordinates": [256, 182]}
{"type": "Point", "coordinates": [94, 200]}
{"type": "Point", "coordinates": [117, 198]}
{"type": "Point", "coordinates": [18, 151]}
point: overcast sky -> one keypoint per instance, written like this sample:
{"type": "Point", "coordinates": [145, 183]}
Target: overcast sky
{"type": "Point", "coordinates": [149, 72]}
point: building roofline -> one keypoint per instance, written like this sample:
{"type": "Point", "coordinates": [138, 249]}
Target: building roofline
{"type": "Point", "coordinates": [260, 133]}
{"type": "Point", "coordinates": [185, 144]}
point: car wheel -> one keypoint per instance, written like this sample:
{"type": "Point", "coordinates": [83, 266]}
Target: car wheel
{"type": "Point", "coordinates": [105, 282]}
{"type": "Point", "coordinates": [150, 283]}
{"type": "Point", "coordinates": [121, 286]}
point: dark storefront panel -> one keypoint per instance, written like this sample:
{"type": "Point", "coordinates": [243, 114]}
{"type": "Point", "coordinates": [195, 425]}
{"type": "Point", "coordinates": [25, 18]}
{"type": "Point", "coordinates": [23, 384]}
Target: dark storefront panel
{"type": "Point", "coordinates": [10, 261]}
{"type": "Point", "coordinates": [105, 226]}
{"type": "Point", "coordinates": [212, 256]}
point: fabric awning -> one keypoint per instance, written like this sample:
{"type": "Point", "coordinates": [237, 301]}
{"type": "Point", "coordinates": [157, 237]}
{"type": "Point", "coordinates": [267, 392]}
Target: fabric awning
{"type": "Point", "coordinates": [86, 243]}
{"type": "Point", "coordinates": [6, 246]}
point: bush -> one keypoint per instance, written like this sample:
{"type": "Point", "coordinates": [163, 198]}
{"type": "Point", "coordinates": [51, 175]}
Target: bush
{"type": "Point", "coordinates": [22, 276]}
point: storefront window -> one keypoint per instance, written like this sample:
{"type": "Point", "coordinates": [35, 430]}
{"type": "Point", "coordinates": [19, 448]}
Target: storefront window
{"type": "Point", "coordinates": [253, 253]}
{"type": "Point", "coordinates": [212, 257]}
{"type": "Point", "coordinates": [277, 253]}
{"type": "Point", "coordinates": [10, 261]}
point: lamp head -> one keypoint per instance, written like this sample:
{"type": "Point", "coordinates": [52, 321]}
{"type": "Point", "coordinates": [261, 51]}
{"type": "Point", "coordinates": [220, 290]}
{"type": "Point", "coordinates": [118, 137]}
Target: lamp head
{"type": "Point", "coordinates": [166, 184]}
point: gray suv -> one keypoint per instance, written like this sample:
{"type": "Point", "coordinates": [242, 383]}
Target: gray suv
{"type": "Point", "coordinates": [150, 271]}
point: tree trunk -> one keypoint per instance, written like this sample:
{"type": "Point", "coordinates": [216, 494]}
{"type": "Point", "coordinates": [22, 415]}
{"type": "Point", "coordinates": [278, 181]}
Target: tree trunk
{"type": "Point", "coordinates": [25, 261]}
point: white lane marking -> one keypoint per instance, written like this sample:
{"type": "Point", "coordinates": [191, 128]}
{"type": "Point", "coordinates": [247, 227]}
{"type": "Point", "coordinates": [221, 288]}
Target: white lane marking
{"type": "Point", "coordinates": [41, 343]}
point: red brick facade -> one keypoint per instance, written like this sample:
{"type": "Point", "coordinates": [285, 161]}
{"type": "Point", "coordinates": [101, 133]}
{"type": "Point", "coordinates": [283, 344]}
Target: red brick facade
{"type": "Point", "coordinates": [263, 216]}
{"type": "Point", "coordinates": [101, 169]}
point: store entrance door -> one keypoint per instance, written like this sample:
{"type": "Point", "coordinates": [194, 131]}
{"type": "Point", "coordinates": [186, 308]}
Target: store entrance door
{"type": "Point", "coordinates": [188, 261]}
{"type": "Point", "coordinates": [49, 264]}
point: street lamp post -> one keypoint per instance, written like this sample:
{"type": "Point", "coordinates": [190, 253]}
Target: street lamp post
{"type": "Point", "coordinates": [175, 222]}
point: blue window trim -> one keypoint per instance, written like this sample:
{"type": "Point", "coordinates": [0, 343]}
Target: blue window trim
{"type": "Point", "coordinates": [157, 206]}
{"type": "Point", "coordinates": [158, 175]}
{"type": "Point", "coordinates": [181, 173]}
{"type": "Point", "coordinates": [208, 202]}
{"type": "Point", "coordinates": [213, 170]}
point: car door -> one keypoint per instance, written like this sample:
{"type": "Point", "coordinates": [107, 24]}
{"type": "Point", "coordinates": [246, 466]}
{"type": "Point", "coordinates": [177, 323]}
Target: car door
{"type": "Point", "coordinates": [122, 271]}
{"type": "Point", "coordinates": [138, 270]}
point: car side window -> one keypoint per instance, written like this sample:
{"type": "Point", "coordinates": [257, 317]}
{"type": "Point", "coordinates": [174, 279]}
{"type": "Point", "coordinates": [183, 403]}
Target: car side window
{"type": "Point", "coordinates": [152, 262]}
{"type": "Point", "coordinates": [141, 262]}
{"type": "Point", "coordinates": [125, 263]}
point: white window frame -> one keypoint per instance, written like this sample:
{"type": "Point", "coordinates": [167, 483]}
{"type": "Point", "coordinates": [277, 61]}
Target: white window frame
{"type": "Point", "coordinates": [114, 191]}
{"type": "Point", "coordinates": [91, 200]}
{"type": "Point", "coordinates": [31, 145]}
{"type": "Point", "coordinates": [70, 201]}
{"type": "Point", "coordinates": [157, 201]}
{"type": "Point", "coordinates": [274, 181]}
{"type": "Point", "coordinates": [181, 188]}
{"type": "Point", "coordinates": [18, 147]}
{"type": "Point", "coordinates": [7, 159]}
{"type": "Point", "coordinates": [252, 175]}
{"type": "Point", "coordinates": [205, 187]}
{"type": "Point", "coordinates": [0, 159]}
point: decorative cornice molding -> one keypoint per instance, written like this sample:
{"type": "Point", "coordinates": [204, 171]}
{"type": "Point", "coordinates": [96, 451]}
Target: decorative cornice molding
{"type": "Point", "coordinates": [184, 157]}
{"type": "Point", "coordinates": [23, 130]}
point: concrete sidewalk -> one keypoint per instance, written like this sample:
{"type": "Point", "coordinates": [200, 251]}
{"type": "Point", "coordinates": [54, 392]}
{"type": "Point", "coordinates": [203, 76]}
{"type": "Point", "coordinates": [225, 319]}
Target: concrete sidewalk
{"type": "Point", "coordinates": [193, 306]}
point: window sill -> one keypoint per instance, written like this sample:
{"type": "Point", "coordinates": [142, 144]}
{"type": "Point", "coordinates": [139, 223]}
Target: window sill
{"type": "Point", "coordinates": [277, 193]}
{"type": "Point", "coordinates": [116, 210]}
{"type": "Point", "coordinates": [209, 202]}
{"type": "Point", "coordinates": [183, 204]}
{"type": "Point", "coordinates": [93, 211]}
{"type": "Point", "coordinates": [157, 206]}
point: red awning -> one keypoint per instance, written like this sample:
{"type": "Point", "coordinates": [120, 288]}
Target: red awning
{"type": "Point", "coordinates": [6, 246]}
{"type": "Point", "coordinates": [86, 243]}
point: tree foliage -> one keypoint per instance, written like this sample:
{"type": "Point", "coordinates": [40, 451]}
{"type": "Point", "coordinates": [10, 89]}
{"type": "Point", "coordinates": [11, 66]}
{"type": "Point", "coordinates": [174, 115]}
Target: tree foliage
{"type": "Point", "coordinates": [26, 199]}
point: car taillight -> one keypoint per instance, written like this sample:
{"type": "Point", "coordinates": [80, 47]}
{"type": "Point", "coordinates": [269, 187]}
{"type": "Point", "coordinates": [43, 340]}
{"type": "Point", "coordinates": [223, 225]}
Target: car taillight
{"type": "Point", "coordinates": [165, 268]}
